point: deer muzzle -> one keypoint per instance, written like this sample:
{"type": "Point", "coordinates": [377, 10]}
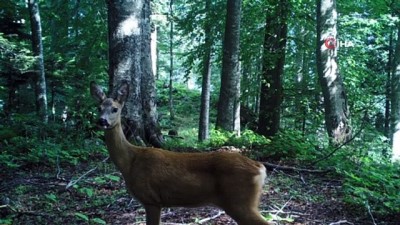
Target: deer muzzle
{"type": "Point", "coordinates": [103, 123]}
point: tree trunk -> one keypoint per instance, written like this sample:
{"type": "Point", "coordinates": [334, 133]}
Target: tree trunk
{"type": "Point", "coordinates": [301, 80]}
{"type": "Point", "coordinates": [130, 59]}
{"type": "Point", "coordinates": [388, 90]}
{"type": "Point", "coordinates": [171, 62]}
{"type": "Point", "coordinates": [335, 101]}
{"type": "Point", "coordinates": [228, 115]}
{"type": "Point", "coordinates": [148, 84]}
{"type": "Point", "coordinates": [395, 100]}
{"type": "Point", "coordinates": [273, 61]}
{"type": "Point", "coordinates": [37, 47]}
{"type": "Point", "coordinates": [154, 49]}
{"type": "Point", "coordinates": [205, 86]}
{"type": "Point", "coordinates": [157, 57]}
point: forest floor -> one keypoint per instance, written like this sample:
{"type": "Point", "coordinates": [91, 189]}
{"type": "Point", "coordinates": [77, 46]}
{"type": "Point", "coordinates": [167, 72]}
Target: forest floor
{"type": "Point", "coordinates": [38, 194]}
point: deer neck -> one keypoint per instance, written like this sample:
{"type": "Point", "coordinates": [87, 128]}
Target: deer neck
{"type": "Point", "coordinates": [118, 148]}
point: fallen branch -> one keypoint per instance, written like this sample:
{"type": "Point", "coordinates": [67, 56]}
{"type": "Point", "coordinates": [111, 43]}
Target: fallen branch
{"type": "Point", "coordinates": [370, 213]}
{"type": "Point", "coordinates": [9, 207]}
{"type": "Point", "coordinates": [73, 182]}
{"type": "Point", "coordinates": [210, 218]}
{"type": "Point", "coordinates": [341, 222]}
{"type": "Point", "coordinates": [284, 206]}
{"type": "Point", "coordinates": [289, 168]}
{"type": "Point", "coordinates": [292, 213]}
{"type": "Point", "coordinates": [144, 222]}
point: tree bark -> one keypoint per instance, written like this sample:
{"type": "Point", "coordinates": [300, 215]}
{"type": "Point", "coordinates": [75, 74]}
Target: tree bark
{"type": "Point", "coordinates": [205, 86]}
{"type": "Point", "coordinates": [37, 47]}
{"type": "Point", "coordinates": [148, 84]}
{"type": "Point", "coordinates": [171, 61]}
{"type": "Point", "coordinates": [337, 115]}
{"type": "Point", "coordinates": [273, 61]}
{"type": "Point", "coordinates": [130, 60]}
{"type": "Point", "coordinates": [301, 80]}
{"type": "Point", "coordinates": [228, 115]}
{"type": "Point", "coordinates": [388, 90]}
{"type": "Point", "coordinates": [395, 101]}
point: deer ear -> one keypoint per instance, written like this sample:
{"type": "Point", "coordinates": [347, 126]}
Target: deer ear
{"type": "Point", "coordinates": [97, 92]}
{"type": "Point", "coordinates": [122, 93]}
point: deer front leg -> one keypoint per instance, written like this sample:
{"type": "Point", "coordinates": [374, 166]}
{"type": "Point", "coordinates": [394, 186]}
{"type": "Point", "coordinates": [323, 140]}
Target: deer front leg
{"type": "Point", "coordinates": [153, 214]}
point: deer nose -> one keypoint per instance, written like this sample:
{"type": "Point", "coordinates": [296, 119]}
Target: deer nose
{"type": "Point", "coordinates": [103, 122]}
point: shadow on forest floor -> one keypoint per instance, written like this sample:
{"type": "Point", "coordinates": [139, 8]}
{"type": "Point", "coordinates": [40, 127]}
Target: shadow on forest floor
{"type": "Point", "coordinates": [34, 195]}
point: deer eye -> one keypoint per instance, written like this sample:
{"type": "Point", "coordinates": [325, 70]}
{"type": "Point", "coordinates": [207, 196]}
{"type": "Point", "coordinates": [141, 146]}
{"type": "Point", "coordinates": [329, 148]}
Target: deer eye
{"type": "Point", "coordinates": [114, 110]}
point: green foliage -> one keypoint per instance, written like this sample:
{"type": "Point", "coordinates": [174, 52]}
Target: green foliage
{"type": "Point", "coordinates": [248, 140]}
{"type": "Point", "coordinates": [370, 180]}
{"type": "Point", "coordinates": [275, 217]}
{"type": "Point", "coordinates": [290, 144]}
{"type": "Point", "coordinates": [191, 22]}
{"type": "Point", "coordinates": [8, 161]}
{"type": "Point", "coordinates": [14, 56]}
{"type": "Point", "coordinates": [106, 178]}
{"type": "Point", "coordinates": [82, 216]}
{"type": "Point", "coordinates": [28, 142]}
{"type": "Point", "coordinates": [51, 197]}
{"type": "Point", "coordinates": [6, 221]}
{"type": "Point", "coordinates": [374, 185]}
{"type": "Point", "coordinates": [186, 105]}
{"type": "Point", "coordinates": [253, 143]}
{"type": "Point", "coordinates": [16, 61]}
{"type": "Point", "coordinates": [98, 221]}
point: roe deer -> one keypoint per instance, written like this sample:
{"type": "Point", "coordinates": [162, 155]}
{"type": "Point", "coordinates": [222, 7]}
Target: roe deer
{"type": "Point", "coordinates": [158, 178]}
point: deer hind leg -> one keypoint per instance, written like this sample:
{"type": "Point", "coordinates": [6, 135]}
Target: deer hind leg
{"type": "Point", "coordinates": [245, 214]}
{"type": "Point", "coordinates": [243, 208]}
{"type": "Point", "coordinates": [153, 214]}
{"type": "Point", "coordinates": [242, 203]}
{"type": "Point", "coordinates": [248, 217]}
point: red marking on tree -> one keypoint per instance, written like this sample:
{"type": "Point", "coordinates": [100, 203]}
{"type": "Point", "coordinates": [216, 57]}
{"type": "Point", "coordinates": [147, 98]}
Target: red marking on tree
{"type": "Point", "coordinates": [330, 43]}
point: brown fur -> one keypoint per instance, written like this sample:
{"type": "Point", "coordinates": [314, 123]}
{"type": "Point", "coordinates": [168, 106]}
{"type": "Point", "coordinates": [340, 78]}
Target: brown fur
{"type": "Point", "coordinates": [158, 178]}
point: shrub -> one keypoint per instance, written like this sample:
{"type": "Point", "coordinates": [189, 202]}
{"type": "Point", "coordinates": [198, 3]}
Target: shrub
{"type": "Point", "coordinates": [374, 185]}
{"type": "Point", "coordinates": [290, 144]}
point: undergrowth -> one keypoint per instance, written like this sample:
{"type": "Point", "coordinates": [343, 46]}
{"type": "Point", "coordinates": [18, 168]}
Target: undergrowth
{"type": "Point", "coordinates": [373, 186]}
{"type": "Point", "coordinates": [25, 143]}
{"type": "Point", "coordinates": [371, 182]}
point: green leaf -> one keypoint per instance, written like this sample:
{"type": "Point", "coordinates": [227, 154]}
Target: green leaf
{"type": "Point", "coordinates": [88, 191]}
{"type": "Point", "coordinates": [98, 220]}
{"type": "Point", "coordinates": [51, 197]}
{"type": "Point", "coordinates": [112, 177]}
{"type": "Point", "coordinates": [99, 180]}
{"type": "Point", "coordinates": [82, 216]}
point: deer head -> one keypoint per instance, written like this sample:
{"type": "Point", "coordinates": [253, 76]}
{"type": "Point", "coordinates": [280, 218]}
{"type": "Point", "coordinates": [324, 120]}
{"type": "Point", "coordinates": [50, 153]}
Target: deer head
{"type": "Point", "coordinates": [110, 108]}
